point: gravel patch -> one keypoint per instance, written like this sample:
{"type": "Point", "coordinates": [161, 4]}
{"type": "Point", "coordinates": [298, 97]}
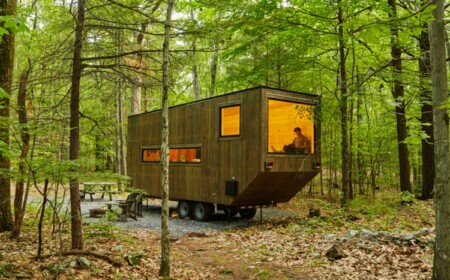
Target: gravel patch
{"type": "Point", "coordinates": [178, 227]}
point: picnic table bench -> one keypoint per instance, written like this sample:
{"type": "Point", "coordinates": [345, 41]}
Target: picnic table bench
{"type": "Point", "coordinates": [84, 192]}
{"type": "Point", "coordinates": [101, 187]}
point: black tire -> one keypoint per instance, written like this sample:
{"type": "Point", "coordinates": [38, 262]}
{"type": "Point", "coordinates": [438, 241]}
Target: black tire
{"type": "Point", "coordinates": [247, 213]}
{"type": "Point", "coordinates": [184, 209]}
{"type": "Point", "coordinates": [230, 211]}
{"type": "Point", "coordinates": [201, 211]}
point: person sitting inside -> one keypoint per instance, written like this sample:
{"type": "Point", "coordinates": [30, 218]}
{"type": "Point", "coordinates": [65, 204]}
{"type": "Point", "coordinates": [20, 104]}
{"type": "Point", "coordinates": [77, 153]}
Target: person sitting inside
{"type": "Point", "coordinates": [300, 144]}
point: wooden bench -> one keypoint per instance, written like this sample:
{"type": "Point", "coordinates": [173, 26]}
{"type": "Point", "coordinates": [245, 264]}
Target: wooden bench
{"type": "Point", "coordinates": [131, 207]}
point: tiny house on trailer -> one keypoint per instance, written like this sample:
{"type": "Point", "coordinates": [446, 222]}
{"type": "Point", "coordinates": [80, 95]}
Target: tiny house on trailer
{"type": "Point", "coordinates": [232, 152]}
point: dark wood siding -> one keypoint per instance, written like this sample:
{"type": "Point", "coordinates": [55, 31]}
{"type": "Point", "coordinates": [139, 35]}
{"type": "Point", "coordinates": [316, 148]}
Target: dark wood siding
{"type": "Point", "coordinates": [242, 157]}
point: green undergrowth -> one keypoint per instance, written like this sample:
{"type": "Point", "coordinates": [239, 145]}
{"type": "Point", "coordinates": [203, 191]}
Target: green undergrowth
{"type": "Point", "coordinates": [387, 211]}
{"type": "Point", "coordinates": [104, 230]}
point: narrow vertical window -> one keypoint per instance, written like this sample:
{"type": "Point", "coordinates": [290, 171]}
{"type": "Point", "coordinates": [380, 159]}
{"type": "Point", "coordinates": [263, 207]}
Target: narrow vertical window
{"type": "Point", "coordinates": [230, 121]}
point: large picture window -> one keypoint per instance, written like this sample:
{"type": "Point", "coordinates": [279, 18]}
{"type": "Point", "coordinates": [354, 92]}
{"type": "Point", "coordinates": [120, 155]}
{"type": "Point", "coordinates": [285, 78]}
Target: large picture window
{"type": "Point", "coordinates": [182, 155]}
{"type": "Point", "coordinates": [230, 121]}
{"type": "Point", "coordinates": [290, 127]}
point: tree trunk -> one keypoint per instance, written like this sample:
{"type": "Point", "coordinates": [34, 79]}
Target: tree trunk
{"type": "Point", "coordinates": [119, 142]}
{"type": "Point", "coordinates": [359, 154]}
{"type": "Point", "coordinates": [41, 219]}
{"type": "Point", "coordinates": [441, 264]}
{"type": "Point", "coordinates": [99, 164]}
{"type": "Point", "coordinates": [195, 72]}
{"type": "Point", "coordinates": [400, 110]}
{"type": "Point", "coordinates": [118, 106]}
{"type": "Point", "coordinates": [194, 61]}
{"type": "Point", "coordinates": [19, 204]}
{"type": "Point", "coordinates": [136, 89]}
{"type": "Point", "coordinates": [136, 84]}
{"type": "Point", "coordinates": [428, 169]}
{"type": "Point", "coordinates": [351, 169]}
{"type": "Point", "coordinates": [447, 38]}
{"type": "Point", "coordinates": [213, 67]}
{"type": "Point", "coordinates": [122, 150]}
{"type": "Point", "coordinates": [7, 8]}
{"type": "Point", "coordinates": [74, 153]}
{"type": "Point", "coordinates": [164, 269]}
{"type": "Point", "coordinates": [345, 154]}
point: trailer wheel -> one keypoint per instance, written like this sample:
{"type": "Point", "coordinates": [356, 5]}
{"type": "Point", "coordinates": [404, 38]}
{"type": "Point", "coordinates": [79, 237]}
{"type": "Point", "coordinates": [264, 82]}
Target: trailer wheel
{"type": "Point", "coordinates": [230, 211]}
{"type": "Point", "coordinates": [247, 213]}
{"type": "Point", "coordinates": [201, 211]}
{"type": "Point", "coordinates": [184, 209]}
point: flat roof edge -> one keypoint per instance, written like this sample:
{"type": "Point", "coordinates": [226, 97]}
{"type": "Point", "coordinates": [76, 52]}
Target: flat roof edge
{"type": "Point", "coordinates": [226, 94]}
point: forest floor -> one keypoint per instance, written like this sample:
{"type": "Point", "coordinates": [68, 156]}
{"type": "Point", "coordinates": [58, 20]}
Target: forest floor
{"type": "Point", "coordinates": [379, 238]}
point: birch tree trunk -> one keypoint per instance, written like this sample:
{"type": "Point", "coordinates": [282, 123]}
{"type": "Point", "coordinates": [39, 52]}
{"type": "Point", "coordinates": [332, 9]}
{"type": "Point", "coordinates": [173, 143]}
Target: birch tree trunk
{"type": "Point", "coordinates": [164, 269]}
{"type": "Point", "coordinates": [194, 61]}
{"type": "Point", "coordinates": [7, 8]}
{"type": "Point", "coordinates": [74, 153]}
{"type": "Point", "coordinates": [213, 69]}
{"type": "Point", "coordinates": [136, 84]}
{"type": "Point", "coordinates": [441, 264]}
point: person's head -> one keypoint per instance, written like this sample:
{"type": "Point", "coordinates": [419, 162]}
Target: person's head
{"type": "Point", "coordinates": [297, 130]}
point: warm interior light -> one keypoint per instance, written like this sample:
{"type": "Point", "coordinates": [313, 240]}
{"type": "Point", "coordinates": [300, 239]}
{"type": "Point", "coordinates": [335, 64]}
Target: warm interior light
{"type": "Point", "coordinates": [175, 155]}
{"type": "Point", "coordinates": [283, 117]}
{"type": "Point", "coordinates": [230, 121]}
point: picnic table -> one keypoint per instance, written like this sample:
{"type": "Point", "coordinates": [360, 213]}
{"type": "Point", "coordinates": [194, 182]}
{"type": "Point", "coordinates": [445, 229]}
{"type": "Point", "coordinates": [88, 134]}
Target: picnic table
{"type": "Point", "coordinates": [102, 187]}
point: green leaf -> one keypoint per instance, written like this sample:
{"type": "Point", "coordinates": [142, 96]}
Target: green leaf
{"type": "Point", "coordinates": [4, 94]}
{"type": "Point", "coordinates": [3, 31]}
{"type": "Point", "coordinates": [12, 24]}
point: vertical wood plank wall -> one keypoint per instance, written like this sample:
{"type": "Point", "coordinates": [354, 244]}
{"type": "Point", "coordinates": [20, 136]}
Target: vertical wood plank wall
{"type": "Point", "coordinates": [198, 124]}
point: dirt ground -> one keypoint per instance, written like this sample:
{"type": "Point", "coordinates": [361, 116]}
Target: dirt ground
{"type": "Point", "coordinates": [276, 248]}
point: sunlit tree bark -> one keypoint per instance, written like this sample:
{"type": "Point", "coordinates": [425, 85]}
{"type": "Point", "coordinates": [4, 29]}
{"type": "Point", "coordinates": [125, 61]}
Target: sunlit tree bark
{"type": "Point", "coordinates": [164, 269]}
{"type": "Point", "coordinates": [441, 265]}
{"type": "Point", "coordinates": [74, 153]}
